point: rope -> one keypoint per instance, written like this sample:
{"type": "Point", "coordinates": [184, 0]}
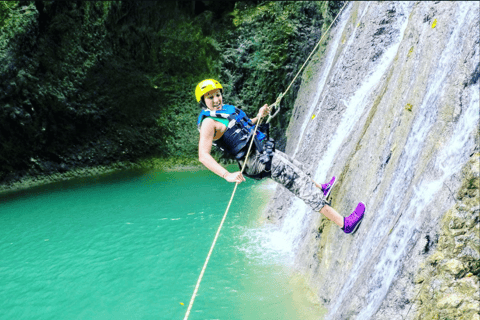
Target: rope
{"type": "Point", "coordinates": [276, 104]}
{"type": "Point", "coordinates": [219, 227]}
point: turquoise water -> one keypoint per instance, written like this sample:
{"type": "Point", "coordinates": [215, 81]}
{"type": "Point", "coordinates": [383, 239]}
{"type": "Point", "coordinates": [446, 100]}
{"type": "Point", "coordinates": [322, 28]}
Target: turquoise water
{"type": "Point", "coordinates": [131, 245]}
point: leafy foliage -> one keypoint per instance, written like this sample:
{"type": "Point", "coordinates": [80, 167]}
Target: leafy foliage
{"type": "Point", "coordinates": [85, 83]}
{"type": "Point", "coordinates": [267, 47]}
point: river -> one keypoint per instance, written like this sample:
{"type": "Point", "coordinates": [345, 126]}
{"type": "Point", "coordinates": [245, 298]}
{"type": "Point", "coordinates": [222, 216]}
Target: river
{"type": "Point", "coordinates": [131, 245]}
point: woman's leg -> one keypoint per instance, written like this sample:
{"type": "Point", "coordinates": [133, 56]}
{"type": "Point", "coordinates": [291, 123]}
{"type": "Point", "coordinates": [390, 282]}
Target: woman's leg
{"type": "Point", "coordinates": [333, 215]}
{"type": "Point", "coordinates": [285, 171]}
{"type": "Point", "coordinates": [301, 167]}
{"type": "Point", "coordinates": [291, 174]}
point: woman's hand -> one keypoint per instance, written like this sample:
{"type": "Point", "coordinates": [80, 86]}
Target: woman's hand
{"type": "Point", "coordinates": [263, 111]}
{"type": "Point", "coordinates": [234, 177]}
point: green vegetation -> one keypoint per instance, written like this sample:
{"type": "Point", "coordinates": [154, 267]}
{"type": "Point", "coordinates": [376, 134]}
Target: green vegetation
{"type": "Point", "coordinates": [91, 83]}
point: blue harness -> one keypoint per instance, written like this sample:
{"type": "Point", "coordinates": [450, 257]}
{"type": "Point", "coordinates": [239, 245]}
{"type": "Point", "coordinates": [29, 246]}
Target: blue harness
{"type": "Point", "coordinates": [239, 131]}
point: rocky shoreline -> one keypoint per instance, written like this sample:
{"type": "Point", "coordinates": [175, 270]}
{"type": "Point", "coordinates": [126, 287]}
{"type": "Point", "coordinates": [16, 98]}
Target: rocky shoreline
{"type": "Point", "coordinates": [27, 181]}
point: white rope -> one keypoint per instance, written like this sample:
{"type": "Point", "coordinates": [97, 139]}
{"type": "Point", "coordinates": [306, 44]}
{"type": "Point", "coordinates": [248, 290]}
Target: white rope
{"type": "Point", "coordinates": [275, 104]}
{"type": "Point", "coordinates": [324, 34]}
{"type": "Point", "coordinates": [219, 228]}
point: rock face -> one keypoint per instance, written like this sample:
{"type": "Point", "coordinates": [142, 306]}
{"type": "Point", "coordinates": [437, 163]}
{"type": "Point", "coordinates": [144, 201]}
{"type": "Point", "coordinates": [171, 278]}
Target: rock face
{"type": "Point", "coordinates": [447, 282]}
{"type": "Point", "coordinates": [391, 109]}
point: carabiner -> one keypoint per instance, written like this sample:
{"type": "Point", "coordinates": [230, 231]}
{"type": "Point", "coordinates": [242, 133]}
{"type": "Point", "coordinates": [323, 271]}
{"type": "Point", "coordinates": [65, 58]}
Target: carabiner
{"type": "Point", "coordinates": [276, 105]}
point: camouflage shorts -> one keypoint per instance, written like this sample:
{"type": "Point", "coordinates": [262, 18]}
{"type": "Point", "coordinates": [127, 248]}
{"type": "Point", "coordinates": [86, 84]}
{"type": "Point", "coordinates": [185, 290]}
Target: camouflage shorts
{"type": "Point", "coordinates": [292, 175]}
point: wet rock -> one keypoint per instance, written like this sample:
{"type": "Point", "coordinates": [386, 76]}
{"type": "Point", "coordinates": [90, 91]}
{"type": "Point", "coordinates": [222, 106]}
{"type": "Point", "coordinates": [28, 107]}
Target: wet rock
{"type": "Point", "coordinates": [374, 158]}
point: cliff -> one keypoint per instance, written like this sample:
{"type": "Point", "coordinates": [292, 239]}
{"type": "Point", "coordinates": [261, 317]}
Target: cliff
{"type": "Point", "coordinates": [391, 108]}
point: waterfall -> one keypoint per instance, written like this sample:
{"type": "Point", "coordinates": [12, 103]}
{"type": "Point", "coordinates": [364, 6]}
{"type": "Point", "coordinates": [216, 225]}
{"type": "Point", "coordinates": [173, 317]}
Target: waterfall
{"type": "Point", "coordinates": [357, 103]}
{"type": "Point", "coordinates": [298, 217]}
{"type": "Point", "coordinates": [449, 161]}
{"type": "Point", "coordinates": [333, 45]}
{"type": "Point", "coordinates": [420, 170]}
{"type": "Point", "coordinates": [394, 249]}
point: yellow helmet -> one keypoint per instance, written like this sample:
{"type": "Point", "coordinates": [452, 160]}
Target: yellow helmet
{"type": "Point", "coordinates": [205, 86]}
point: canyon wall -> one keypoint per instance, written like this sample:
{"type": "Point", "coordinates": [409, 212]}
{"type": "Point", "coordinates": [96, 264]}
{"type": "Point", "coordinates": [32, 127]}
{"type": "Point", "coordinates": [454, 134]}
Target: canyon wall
{"type": "Point", "coordinates": [391, 108]}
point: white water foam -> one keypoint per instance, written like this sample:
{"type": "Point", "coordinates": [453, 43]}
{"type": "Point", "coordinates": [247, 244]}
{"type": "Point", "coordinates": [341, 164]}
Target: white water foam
{"type": "Point", "coordinates": [277, 244]}
{"type": "Point", "coordinates": [267, 244]}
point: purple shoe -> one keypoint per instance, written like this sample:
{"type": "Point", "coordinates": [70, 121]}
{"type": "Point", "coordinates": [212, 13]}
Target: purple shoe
{"type": "Point", "coordinates": [327, 187]}
{"type": "Point", "coordinates": [351, 223]}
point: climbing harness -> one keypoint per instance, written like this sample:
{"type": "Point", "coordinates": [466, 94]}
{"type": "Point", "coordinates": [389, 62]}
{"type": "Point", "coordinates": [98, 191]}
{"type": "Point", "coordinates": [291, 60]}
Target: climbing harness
{"type": "Point", "coordinates": [275, 105]}
{"type": "Point", "coordinates": [239, 131]}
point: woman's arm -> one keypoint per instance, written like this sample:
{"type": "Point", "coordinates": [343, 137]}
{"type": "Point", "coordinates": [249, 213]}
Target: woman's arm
{"type": "Point", "coordinates": [261, 113]}
{"type": "Point", "coordinates": [207, 132]}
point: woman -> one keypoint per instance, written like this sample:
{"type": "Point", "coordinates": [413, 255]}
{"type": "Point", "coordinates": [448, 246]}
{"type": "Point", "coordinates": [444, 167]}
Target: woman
{"type": "Point", "coordinates": [231, 130]}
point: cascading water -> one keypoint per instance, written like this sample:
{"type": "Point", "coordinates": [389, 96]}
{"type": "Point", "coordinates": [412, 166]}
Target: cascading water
{"type": "Point", "coordinates": [422, 61]}
{"type": "Point", "coordinates": [323, 78]}
{"type": "Point", "coordinates": [449, 162]}
{"type": "Point", "coordinates": [395, 247]}
{"type": "Point", "coordinates": [357, 103]}
{"type": "Point", "coordinates": [407, 225]}
{"type": "Point", "coordinates": [298, 217]}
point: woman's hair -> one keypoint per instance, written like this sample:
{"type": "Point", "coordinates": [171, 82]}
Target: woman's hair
{"type": "Point", "coordinates": [202, 104]}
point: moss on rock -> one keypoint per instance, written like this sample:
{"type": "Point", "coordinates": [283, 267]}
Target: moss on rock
{"type": "Point", "coordinates": [448, 281]}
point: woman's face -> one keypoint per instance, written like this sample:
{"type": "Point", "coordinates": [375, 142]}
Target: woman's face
{"type": "Point", "coordinates": [213, 99]}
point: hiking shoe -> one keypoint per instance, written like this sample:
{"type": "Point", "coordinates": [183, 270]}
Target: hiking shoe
{"type": "Point", "coordinates": [327, 187]}
{"type": "Point", "coordinates": [351, 223]}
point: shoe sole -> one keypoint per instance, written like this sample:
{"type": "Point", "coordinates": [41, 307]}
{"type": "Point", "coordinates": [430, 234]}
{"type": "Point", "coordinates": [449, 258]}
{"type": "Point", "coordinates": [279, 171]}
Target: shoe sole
{"type": "Point", "coordinates": [331, 188]}
{"type": "Point", "coordinates": [360, 222]}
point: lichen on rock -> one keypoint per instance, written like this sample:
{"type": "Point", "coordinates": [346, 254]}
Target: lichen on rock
{"type": "Point", "coordinates": [450, 288]}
